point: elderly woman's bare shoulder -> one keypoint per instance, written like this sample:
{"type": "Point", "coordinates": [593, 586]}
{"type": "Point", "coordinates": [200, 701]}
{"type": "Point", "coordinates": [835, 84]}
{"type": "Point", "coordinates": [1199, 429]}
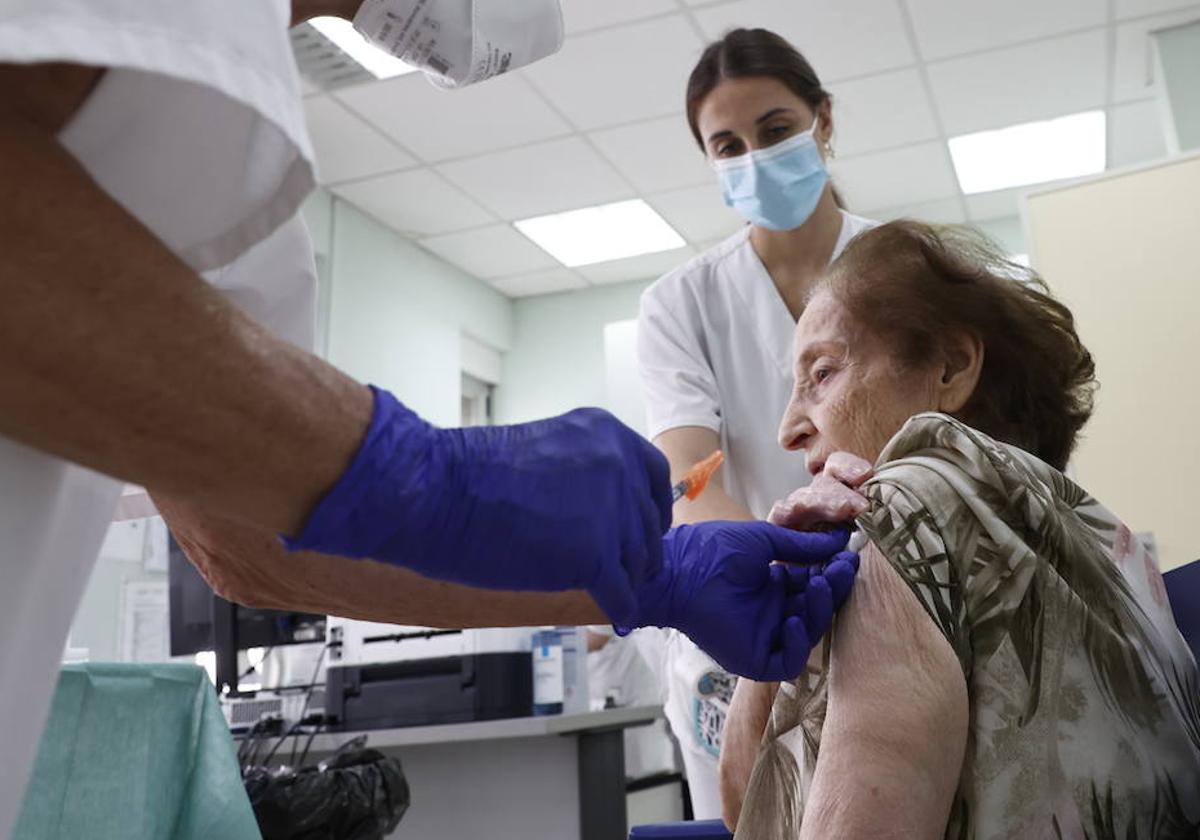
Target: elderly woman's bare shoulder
{"type": "Point", "coordinates": [896, 723]}
{"type": "Point", "coordinates": [884, 633]}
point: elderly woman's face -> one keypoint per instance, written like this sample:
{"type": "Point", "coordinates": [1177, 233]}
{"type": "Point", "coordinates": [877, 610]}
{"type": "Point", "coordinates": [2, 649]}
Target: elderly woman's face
{"type": "Point", "coordinates": [850, 395]}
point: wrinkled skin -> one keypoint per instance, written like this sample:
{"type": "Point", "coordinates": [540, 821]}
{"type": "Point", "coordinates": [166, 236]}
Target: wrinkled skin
{"type": "Point", "coordinates": [851, 396]}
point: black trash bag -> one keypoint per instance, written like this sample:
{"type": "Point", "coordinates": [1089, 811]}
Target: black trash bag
{"type": "Point", "coordinates": [359, 794]}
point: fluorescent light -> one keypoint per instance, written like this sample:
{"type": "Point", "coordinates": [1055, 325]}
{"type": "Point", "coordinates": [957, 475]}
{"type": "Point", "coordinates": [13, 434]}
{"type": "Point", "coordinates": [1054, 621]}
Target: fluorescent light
{"type": "Point", "coordinates": [600, 234]}
{"type": "Point", "coordinates": [1030, 153]}
{"type": "Point", "coordinates": [375, 61]}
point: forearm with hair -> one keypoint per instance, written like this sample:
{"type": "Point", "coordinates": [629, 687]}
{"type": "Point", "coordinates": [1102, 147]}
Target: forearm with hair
{"type": "Point", "coordinates": [115, 355]}
{"type": "Point", "coordinates": [250, 567]}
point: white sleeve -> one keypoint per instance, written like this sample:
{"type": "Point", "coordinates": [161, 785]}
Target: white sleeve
{"type": "Point", "coordinates": [196, 128]}
{"type": "Point", "coordinates": [677, 379]}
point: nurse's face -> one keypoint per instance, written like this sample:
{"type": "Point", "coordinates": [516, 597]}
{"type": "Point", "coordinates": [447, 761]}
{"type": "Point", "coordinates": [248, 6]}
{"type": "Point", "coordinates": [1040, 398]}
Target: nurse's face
{"type": "Point", "coordinates": [741, 115]}
{"type": "Point", "coordinates": [849, 395]}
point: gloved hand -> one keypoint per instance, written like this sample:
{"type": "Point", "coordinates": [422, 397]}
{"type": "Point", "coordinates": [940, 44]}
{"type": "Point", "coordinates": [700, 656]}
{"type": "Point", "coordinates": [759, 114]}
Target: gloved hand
{"type": "Point", "coordinates": [756, 619]}
{"type": "Point", "coordinates": [574, 502]}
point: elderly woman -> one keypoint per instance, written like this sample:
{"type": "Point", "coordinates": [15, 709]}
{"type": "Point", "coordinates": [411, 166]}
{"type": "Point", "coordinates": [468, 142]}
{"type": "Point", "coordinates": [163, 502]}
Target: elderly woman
{"type": "Point", "coordinates": [1007, 666]}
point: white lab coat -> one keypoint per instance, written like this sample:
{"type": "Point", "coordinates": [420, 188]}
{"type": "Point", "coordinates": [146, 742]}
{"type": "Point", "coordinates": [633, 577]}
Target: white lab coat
{"type": "Point", "coordinates": [715, 351]}
{"type": "Point", "coordinates": [198, 132]}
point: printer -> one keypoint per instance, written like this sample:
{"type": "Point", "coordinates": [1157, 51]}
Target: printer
{"type": "Point", "coordinates": [386, 675]}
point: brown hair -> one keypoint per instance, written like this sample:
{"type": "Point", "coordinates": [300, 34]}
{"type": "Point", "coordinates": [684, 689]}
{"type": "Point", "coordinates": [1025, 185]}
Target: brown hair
{"type": "Point", "coordinates": [751, 52]}
{"type": "Point", "coordinates": [918, 283]}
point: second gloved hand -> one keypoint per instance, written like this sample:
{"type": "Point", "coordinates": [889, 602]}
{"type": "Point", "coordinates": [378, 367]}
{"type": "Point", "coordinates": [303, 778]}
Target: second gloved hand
{"type": "Point", "coordinates": [757, 619]}
{"type": "Point", "coordinates": [574, 502]}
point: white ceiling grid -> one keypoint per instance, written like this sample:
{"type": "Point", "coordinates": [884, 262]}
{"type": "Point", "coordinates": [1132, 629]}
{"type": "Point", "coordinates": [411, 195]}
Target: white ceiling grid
{"type": "Point", "coordinates": [603, 120]}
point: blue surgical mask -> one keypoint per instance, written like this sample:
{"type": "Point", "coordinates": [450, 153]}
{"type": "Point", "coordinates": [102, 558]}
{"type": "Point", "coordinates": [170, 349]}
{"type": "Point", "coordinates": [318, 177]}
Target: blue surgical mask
{"type": "Point", "coordinates": [777, 187]}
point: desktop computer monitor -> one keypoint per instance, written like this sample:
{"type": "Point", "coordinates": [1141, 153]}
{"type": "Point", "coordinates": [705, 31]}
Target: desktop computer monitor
{"type": "Point", "coordinates": [202, 620]}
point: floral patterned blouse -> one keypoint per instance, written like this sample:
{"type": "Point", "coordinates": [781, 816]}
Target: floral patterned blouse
{"type": "Point", "coordinates": [1084, 698]}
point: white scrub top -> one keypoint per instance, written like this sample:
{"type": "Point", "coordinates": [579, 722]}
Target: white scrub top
{"type": "Point", "coordinates": [198, 131]}
{"type": "Point", "coordinates": [715, 350]}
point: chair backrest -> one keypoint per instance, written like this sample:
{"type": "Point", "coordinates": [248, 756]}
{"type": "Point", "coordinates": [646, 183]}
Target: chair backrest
{"type": "Point", "coordinates": [699, 830]}
{"type": "Point", "coordinates": [1183, 591]}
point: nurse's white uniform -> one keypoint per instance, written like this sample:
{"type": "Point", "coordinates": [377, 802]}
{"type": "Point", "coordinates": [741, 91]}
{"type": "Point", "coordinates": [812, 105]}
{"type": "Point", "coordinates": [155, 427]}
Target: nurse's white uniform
{"type": "Point", "coordinates": [715, 351]}
{"type": "Point", "coordinates": [198, 132]}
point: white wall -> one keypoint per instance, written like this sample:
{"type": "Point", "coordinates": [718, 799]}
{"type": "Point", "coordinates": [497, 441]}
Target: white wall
{"type": "Point", "coordinates": [1120, 250]}
{"type": "Point", "coordinates": [556, 361]}
{"type": "Point", "coordinates": [122, 560]}
{"type": "Point", "coordinates": [397, 314]}
{"type": "Point", "coordinates": [1007, 232]}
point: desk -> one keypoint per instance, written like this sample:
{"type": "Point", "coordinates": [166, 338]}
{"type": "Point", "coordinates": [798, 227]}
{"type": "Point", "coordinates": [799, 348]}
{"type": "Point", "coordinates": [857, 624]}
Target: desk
{"type": "Point", "coordinates": [559, 777]}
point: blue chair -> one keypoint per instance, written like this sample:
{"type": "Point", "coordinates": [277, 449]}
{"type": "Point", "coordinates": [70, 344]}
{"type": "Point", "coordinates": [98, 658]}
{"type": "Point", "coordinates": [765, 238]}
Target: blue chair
{"type": "Point", "coordinates": [702, 830]}
{"type": "Point", "coordinates": [1183, 591]}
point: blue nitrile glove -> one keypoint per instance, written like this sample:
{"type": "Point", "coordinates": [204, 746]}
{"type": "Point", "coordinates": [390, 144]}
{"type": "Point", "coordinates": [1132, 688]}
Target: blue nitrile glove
{"type": "Point", "coordinates": [756, 619]}
{"type": "Point", "coordinates": [575, 502]}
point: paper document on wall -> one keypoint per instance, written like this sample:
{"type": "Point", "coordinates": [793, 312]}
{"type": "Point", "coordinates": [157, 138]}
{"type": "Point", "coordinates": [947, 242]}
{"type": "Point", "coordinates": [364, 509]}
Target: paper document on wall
{"type": "Point", "coordinates": [145, 625]}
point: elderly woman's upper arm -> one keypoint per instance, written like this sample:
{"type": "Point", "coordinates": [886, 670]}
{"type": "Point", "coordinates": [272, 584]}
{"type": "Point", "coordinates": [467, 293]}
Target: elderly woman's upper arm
{"type": "Point", "coordinates": [896, 727]}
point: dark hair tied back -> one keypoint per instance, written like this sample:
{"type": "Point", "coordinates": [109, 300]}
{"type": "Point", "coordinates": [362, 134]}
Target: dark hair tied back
{"type": "Point", "coordinates": [742, 53]}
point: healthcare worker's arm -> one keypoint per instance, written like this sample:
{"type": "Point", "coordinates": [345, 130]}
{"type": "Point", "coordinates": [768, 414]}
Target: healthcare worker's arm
{"type": "Point", "coordinates": [250, 567]}
{"type": "Point", "coordinates": [714, 585]}
{"type": "Point", "coordinates": [114, 354]}
{"type": "Point", "coordinates": [685, 447]}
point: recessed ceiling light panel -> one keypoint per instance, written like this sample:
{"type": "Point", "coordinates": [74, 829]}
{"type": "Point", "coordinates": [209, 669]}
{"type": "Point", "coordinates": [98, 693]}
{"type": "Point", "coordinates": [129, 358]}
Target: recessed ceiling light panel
{"type": "Point", "coordinates": [1030, 153]}
{"type": "Point", "coordinates": [603, 233]}
{"type": "Point", "coordinates": [375, 61]}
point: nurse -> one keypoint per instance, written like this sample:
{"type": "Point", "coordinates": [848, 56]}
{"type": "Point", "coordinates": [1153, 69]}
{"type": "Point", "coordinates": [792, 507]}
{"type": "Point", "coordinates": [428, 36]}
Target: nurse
{"type": "Point", "coordinates": [156, 314]}
{"type": "Point", "coordinates": [715, 335]}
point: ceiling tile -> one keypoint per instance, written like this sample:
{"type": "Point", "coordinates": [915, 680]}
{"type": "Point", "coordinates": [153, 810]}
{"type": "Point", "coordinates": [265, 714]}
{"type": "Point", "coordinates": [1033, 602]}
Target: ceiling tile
{"type": "Point", "coordinates": [415, 203]}
{"type": "Point", "coordinates": [582, 15]}
{"type": "Point", "coordinates": [539, 283]}
{"type": "Point", "coordinates": [1133, 71]}
{"type": "Point", "coordinates": [347, 147]}
{"type": "Point", "coordinates": [644, 267]}
{"type": "Point", "coordinates": [944, 211]}
{"type": "Point", "coordinates": [1135, 134]}
{"type": "Point", "coordinates": [437, 124]}
{"type": "Point", "coordinates": [881, 111]}
{"type": "Point", "coordinates": [698, 213]}
{"type": "Point", "coordinates": [842, 38]}
{"type": "Point", "coordinates": [1032, 82]}
{"type": "Point", "coordinates": [952, 27]}
{"type": "Point", "coordinates": [489, 252]}
{"type": "Point", "coordinates": [620, 75]}
{"type": "Point", "coordinates": [895, 177]}
{"type": "Point", "coordinates": [655, 155]}
{"type": "Point", "coordinates": [1136, 8]}
{"type": "Point", "coordinates": [535, 180]}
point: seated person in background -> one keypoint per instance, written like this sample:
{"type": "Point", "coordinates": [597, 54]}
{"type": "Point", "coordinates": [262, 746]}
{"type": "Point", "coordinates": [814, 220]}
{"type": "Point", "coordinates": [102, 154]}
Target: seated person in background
{"type": "Point", "coordinates": [1007, 665]}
